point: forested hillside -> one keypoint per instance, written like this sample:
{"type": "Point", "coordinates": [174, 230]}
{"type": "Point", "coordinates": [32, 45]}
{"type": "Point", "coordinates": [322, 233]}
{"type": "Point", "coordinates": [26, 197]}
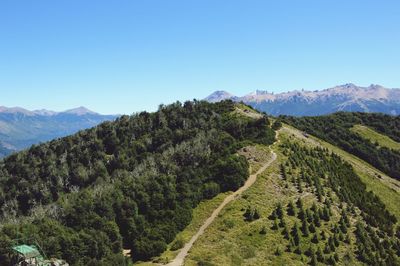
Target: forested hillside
{"type": "Point", "coordinates": [310, 208]}
{"type": "Point", "coordinates": [131, 183]}
{"type": "Point", "coordinates": [325, 174]}
{"type": "Point", "coordinates": [336, 129]}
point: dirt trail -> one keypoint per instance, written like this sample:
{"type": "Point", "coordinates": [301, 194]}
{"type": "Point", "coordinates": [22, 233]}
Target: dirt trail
{"type": "Point", "coordinates": [179, 259]}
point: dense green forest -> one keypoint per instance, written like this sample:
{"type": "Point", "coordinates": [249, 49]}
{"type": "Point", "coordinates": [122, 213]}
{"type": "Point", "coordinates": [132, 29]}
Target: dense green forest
{"type": "Point", "coordinates": [128, 184]}
{"type": "Point", "coordinates": [362, 215]}
{"type": "Point", "coordinates": [335, 129]}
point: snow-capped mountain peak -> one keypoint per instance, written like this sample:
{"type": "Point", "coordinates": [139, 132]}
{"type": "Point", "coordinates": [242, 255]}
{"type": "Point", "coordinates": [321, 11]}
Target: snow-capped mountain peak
{"type": "Point", "coordinates": [346, 97]}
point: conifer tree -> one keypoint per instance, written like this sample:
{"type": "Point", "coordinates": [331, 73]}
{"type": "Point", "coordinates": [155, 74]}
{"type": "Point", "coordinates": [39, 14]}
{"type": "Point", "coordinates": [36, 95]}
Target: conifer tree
{"type": "Point", "coordinates": [289, 247]}
{"type": "Point", "coordinates": [309, 216]}
{"type": "Point", "coordinates": [314, 207]}
{"type": "Point", "coordinates": [299, 203]}
{"type": "Point", "coordinates": [343, 226]}
{"type": "Point", "coordinates": [304, 228]}
{"type": "Point", "coordinates": [313, 261]}
{"type": "Point", "coordinates": [320, 256]}
{"type": "Point", "coordinates": [292, 243]}
{"type": "Point", "coordinates": [341, 236]}
{"type": "Point", "coordinates": [323, 235]}
{"type": "Point", "coordinates": [291, 210]}
{"type": "Point", "coordinates": [302, 214]}
{"type": "Point", "coordinates": [275, 226]}
{"type": "Point", "coordinates": [309, 251]}
{"type": "Point", "coordinates": [282, 222]}
{"type": "Point", "coordinates": [317, 220]}
{"type": "Point", "coordinates": [315, 238]}
{"type": "Point", "coordinates": [331, 244]}
{"type": "Point", "coordinates": [311, 228]}
{"type": "Point", "coordinates": [298, 250]}
{"type": "Point", "coordinates": [327, 249]}
{"type": "Point", "coordinates": [295, 234]}
{"type": "Point", "coordinates": [273, 215]}
{"type": "Point", "coordinates": [332, 260]}
{"type": "Point", "coordinates": [285, 232]}
{"type": "Point", "coordinates": [279, 211]}
{"type": "Point", "coordinates": [345, 218]}
{"type": "Point", "coordinates": [299, 186]}
{"type": "Point", "coordinates": [278, 251]}
{"type": "Point", "coordinates": [347, 239]}
{"type": "Point", "coordinates": [335, 240]}
{"type": "Point", "coordinates": [320, 213]}
{"type": "Point", "coordinates": [336, 257]}
{"type": "Point", "coordinates": [326, 213]}
{"type": "Point", "coordinates": [248, 214]}
{"type": "Point", "coordinates": [283, 172]}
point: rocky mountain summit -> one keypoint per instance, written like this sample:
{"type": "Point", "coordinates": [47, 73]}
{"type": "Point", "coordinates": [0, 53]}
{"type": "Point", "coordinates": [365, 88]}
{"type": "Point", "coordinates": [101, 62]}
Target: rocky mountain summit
{"type": "Point", "coordinates": [347, 97]}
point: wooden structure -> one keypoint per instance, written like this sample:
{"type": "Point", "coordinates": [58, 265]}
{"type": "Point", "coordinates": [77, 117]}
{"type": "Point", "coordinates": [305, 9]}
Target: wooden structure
{"type": "Point", "coordinates": [29, 255]}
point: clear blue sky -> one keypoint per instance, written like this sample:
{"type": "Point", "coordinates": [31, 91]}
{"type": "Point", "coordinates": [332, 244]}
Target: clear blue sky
{"type": "Point", "coordinates": [127, 56]}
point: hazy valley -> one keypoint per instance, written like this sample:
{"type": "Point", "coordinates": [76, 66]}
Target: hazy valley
{"type": "Point", "coordinates": [20, 128]}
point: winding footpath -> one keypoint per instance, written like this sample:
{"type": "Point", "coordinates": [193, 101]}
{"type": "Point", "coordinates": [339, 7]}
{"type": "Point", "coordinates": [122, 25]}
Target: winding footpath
{"type": "Point", "coordinates": [179, 259]}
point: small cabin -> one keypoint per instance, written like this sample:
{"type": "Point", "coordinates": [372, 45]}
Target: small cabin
{"type": "Point", "coordinates": [29, 255]}
{"type": "Point", "coordinates": [26, 255]}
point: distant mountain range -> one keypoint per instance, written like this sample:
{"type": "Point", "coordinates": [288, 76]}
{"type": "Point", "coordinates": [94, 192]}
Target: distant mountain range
{"type": "Point", "coordinates": [348, 97]}
{"type": "Point", "coordinates": [20, 128]}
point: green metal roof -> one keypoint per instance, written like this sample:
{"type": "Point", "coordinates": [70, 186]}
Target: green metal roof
{"type": "Point", "coordinates": [27, 251]}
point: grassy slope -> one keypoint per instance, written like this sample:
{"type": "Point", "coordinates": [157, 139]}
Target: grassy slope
{"type": "Point", "coordinates": [232, 241]}
{"type": "Point", "coordinates": [387, 188]}
{"type": "Point", "coordinates": [245, 110]}
{"type": "Point", "coordinates": [373, 136]}
{"type": "Point", "coordinates": [205, 208]}
{"type": "Point", "coordinates": [200, 214]}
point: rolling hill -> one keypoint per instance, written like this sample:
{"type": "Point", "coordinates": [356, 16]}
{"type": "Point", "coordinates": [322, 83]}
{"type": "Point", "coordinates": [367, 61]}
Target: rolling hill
{"type": "Point", "coordinates": [311, 209]}
{"type": "Point", "coordinates": [131, 183]}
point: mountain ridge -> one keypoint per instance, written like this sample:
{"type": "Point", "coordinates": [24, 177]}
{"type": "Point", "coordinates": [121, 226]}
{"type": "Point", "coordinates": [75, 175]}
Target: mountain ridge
{"type": "Point", "coordinates": [21, 128]}
{"type": "Point", "coordinates": [347, 97]}
{"type": "Point", "coordinates": [45, 112]}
